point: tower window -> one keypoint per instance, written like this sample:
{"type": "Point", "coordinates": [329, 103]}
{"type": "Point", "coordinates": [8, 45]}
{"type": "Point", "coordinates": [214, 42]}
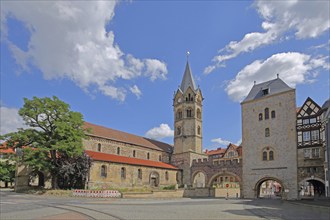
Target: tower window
{"type": "Point", "coordinates": [160, 157]}
{"type": "Point", "coordinates": [260, 117]}
{"type": "Point", "coordinates": [118, 150]}
{"type": "Point", "coordinates": [179, 114]}
{"type": "Point", "coordinates": [198, 130]}
{"type": "Point", "coordinates": [148, 155]}
{"type": "Point", "coordinates": [178, 130]}
{"type": "Point", "coordinates": [134, 153]}
{"type": "Point", "coordinates": [267, 132]}
{"type": "Point", "coordinates": [273, 114]}
{"type": "Point", "coordinates": [266, 113]}
{"type": "Point", "coordinates": [199, 114]}
{"type": "Point", "coordinates": [267, 154]}
{"type": "Point", "coordinates": [189, 113]}
{"type": "Point", "coordinates": [99, 147]}
{"type": "Point", "coordinates": [271, 155]}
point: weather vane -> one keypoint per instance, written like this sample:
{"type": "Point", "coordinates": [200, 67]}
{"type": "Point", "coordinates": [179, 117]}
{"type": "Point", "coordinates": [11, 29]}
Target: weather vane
{"type": "Point", "coordinates": [188, 53]}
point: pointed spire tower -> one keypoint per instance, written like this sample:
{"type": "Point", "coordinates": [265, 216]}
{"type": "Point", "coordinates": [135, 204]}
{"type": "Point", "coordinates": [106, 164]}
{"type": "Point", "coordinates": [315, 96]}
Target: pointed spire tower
{"type": "Point", "coordinates": [187, 105]}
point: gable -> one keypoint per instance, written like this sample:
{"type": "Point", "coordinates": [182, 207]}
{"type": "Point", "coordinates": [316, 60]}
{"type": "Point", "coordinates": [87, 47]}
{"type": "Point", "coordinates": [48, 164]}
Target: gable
{"type": "Point", "coordinates": [309, 108]}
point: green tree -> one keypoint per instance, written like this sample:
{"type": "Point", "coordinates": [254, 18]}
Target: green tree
{"type": "Point", "coordinates": [55, 134]}
{"type": "Point", "coordinates": [7, 171]}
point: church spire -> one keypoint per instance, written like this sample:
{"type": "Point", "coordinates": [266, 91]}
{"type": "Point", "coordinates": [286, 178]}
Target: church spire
{"type": "Point", "coordinates": [187, 80]}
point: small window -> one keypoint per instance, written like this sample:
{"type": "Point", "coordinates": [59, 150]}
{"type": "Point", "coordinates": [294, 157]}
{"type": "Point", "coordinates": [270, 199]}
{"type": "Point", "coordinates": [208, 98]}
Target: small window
{"type": "Point", "coordinates": [266, 113]}
{"type": "Point", "coordinates": [265, 91]}
{"type": "Point", "coordinates": [99, 147]}
{"type": "Point", "coordinates": [166, 176]}
{"type": "Point", "coordinates": [199, 114]}
{"type": "Point", "coordinates": [118, 150]}
{"type": "Point", "coordinates": [189, 114]}
{"type": "Point", "coordinates": [264, 155]}
{"type": "Point", "coordinates": [103, 171]}
{"type": "Point", "coordinates": [316, 152]}
{"type": "Point", "coordinates": [123, 173]}
{"type": "Point", "coordinates": [140, 174]}
{"type": "Point", "coordinates": [198, 130]}
{"type": "Point", "coordinates": [267, 132]}
{"type": "Point", "coordinates": [260, 117]}
{"type": "Point", "coordinates": [306, 136]}
{"type": "Point", "coordinates": [160, 157]}
{"type": "Point", "coordinates": [312, 120]}
{"type": "Point", "coordinates": [179, 114]}
{"type": "Point", "coordinates": [273, 114]}
{"type": "Point", "coordinates": [315, 135]}
{"type": "Point", "coordinates": [178, 130]}
{"type": "Point", "coordinates": [271, 155]}
{"type": "Point", "coordinates": [306, 121]}
{"type": "Point", "coordinates": [134, 153]}
{"type": "Point", "coordinates": [148, 156]}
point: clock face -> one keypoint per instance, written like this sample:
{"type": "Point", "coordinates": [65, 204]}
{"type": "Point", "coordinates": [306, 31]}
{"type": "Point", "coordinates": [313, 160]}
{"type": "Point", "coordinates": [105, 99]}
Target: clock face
{"type": "Point", "coordinates": [179, 100]}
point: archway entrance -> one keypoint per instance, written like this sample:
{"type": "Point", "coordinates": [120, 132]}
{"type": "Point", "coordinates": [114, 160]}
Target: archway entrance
{"type": "Point", "coordinates": [154, 179]}
{"type": "Point", "coordinates": [269, 188]}
{"type": "Point", "coordinates": [37, 179]}
{"type": "Point", "coordinates": [312, 188]}
{"type": "Point", "coordinates": [199, 180]}
{"type": "Point", "coordinates": [226, 185]}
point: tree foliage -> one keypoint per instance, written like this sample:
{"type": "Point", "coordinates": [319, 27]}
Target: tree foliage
{"type": "Point", "coordinates": [7, 170]}
{"type": "Point", "coordinates": [54, 135]}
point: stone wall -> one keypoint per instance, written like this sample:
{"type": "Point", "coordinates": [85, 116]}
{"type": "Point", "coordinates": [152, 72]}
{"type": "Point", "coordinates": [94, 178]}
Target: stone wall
{"type": "Point", "coordinates": [212, 170]}
{"type": "Point", "coordinates": [184, 162]}
{"type": "Point", "coordinates": [199, 192]}
{"type": "Point", "coordinates": [113, 178]}
{"type": "Point", "coordinates": [282, 141]}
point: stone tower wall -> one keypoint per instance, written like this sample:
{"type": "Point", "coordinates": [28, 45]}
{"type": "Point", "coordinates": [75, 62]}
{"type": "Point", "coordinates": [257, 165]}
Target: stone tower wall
{"type": "Point", "coordinates": [282, 141]}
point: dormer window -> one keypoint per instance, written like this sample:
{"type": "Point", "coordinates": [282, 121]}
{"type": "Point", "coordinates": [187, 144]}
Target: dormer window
{"type": "Point", "coordinates": [265, 91]}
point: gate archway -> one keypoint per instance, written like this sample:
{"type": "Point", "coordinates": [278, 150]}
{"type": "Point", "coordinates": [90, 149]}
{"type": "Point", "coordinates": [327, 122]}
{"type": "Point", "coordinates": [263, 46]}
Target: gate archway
{"type": "Point", "coordinates": [269, 187]}
{"type": "Point", "coordinates": [312, 187]}
{"type": "Point", "coordinates": [199, 179]}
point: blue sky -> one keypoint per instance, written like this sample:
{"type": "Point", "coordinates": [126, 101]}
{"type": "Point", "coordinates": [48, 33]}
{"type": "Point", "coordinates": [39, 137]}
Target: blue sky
{"type": "Point", "coordinates": [119, 63]}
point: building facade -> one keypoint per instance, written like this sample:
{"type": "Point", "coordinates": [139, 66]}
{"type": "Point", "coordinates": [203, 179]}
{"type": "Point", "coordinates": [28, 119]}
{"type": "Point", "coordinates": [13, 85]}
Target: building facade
{"type": "Point", "coordinates": [325, 134]}
{"type": "Point", "coordinates": [310, 150]}
{"type": "Point", "coordinates": [269, 138]}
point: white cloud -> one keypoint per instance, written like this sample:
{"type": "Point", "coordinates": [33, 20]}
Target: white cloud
{"type": "Point", "coordinates": [294, 68]}
{"type": "Point", "coordinates": [220, 141]}
{"type": "Point", "coordinates": [10, 120]}
{"type": "Point", "coordinates": [136, 91]}
{"type": "Point", "coordinates": [160, 132]}
{"type": "Point", "coordinates": [304, 19]}
{"type": "Point", "coordinates": [69, 40]}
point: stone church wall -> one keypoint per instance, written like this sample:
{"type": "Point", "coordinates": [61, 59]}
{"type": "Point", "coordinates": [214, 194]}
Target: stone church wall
{"type": "Point", "coordinates": [113, 177]}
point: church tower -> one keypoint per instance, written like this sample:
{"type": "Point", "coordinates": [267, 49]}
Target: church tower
{"type": "Point", "coordinates": [187, 105]}
{"type": "Point", "coordinates": [188, 134]}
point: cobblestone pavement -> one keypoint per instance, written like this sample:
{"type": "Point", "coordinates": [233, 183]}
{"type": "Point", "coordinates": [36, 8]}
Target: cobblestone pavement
{"type": "Point", "coordinates": [22, 206]}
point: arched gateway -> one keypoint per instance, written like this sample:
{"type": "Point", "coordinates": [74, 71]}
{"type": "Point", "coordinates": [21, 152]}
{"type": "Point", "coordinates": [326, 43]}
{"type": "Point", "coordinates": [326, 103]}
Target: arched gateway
{"type": "Point", "coordinates": [224, 176]}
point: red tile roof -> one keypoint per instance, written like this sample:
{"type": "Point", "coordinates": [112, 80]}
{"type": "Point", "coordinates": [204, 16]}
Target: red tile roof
{"type": "Point", "coordinates": [108, 133]}
{"type": "Point", "coordinates": [214, 152]}
{"type": "Point", "coordinates": [128, 160]}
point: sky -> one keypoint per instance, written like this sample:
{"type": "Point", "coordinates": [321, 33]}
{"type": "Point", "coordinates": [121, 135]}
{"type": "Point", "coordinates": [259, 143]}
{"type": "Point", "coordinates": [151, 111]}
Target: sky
{"type": "Point", "coordinates": [120, 62]}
